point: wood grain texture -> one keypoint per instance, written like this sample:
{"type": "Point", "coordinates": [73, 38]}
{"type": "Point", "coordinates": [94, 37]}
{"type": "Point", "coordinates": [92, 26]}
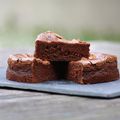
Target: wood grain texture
{"type": "Point", "coordinates": [30, 105]}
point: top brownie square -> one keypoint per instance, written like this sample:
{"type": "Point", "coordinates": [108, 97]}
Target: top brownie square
{"type": "Point", "coordinates": [53, 47]}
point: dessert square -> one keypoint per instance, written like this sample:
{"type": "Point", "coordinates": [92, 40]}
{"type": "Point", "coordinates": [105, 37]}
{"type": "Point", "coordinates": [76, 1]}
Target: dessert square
{"type": "Point", "coordinates": [98, 68]}
{"type": "Point", "coordinates": [52, 47]}
{"type": "Point", "coordinates": [25, 68]}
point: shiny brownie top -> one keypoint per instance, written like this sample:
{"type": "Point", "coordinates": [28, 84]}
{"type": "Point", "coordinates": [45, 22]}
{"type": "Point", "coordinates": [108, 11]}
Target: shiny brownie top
{"type": "Point", "coordinates": [54, 37]}
{"type": "Point", "coordinates": [21, 57]}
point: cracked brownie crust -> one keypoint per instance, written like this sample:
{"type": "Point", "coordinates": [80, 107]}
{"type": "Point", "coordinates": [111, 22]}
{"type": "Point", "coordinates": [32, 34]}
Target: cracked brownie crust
{"type": "Point", "coordinates": [98, 68]}
{"type": "Point", "coordinates": [52, 47]}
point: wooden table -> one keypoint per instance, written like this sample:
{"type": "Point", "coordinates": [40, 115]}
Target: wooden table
{"type": "Point", "coordinates": [30, 105]}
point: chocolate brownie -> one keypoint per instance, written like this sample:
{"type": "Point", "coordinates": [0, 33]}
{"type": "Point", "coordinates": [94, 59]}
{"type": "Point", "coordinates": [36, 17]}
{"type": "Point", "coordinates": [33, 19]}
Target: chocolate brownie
{"type": "Point", "coordinates": [98, 68]}
{"type": "Point", "coordinates": [23, 68]}
{"type": "Point", "coordinates": [19, 68]}
{"type": "Point", "coordinates": [51, 46]}
{"type": "Point", "coordinates": [43, 70]}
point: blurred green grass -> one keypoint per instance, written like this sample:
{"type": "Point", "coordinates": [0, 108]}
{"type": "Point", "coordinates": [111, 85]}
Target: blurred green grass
{"type": "Point", "coordinates": [25, 37]}
{"type": "Point", "coordinates": [12, 35]}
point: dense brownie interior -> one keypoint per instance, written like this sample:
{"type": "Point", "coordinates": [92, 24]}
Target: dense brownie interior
{"type": "Point", "coordinates": [61, 50]}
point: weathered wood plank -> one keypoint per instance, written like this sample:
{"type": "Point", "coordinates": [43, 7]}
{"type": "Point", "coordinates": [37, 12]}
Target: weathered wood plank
{"type": "Point", "coordinates": [59, 107]}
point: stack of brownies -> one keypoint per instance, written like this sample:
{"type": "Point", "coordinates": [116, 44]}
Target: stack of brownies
{"type": "Point", "coordinates": [56, 58]}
